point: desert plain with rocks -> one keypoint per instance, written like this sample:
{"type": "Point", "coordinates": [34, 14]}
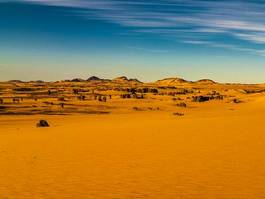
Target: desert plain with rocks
{"type": "Point", "coordinates": [123, 138]}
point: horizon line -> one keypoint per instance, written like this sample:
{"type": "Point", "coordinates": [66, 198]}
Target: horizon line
{"type": "Point", "coordinates": [129, 79]}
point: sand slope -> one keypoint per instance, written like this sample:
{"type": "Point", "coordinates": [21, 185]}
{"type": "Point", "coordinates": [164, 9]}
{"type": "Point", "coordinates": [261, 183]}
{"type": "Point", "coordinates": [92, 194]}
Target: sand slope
{"type": "Point", "coordinates": [211, 152]}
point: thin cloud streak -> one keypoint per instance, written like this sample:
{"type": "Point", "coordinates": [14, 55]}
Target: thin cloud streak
{"type": "Point", "coordinates": [178, 19]}
{"type": "Point", "coordinates": [227, 46]}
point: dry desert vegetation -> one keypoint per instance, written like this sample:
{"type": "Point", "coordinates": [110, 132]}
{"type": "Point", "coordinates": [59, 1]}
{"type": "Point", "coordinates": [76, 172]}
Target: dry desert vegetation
{"type": "Point", "coordinates": [122, 138]}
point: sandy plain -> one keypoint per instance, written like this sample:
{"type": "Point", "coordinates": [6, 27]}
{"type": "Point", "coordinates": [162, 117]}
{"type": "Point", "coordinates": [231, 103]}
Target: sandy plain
{"type": "Point", "coordinates": [153, 147]}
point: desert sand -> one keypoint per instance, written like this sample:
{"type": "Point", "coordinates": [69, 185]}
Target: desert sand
{"type": "Point", "coordinates": [163, 142]}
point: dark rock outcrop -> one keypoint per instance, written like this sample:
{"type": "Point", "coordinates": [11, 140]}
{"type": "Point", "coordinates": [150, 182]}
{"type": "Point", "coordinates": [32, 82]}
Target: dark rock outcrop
{"type": "Point", "coordinates": [43, 123]}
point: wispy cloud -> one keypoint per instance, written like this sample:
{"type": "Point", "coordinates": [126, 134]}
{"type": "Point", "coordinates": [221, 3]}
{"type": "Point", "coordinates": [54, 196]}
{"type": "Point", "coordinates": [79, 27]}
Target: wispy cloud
{"type": "Point", "coordinates": [184, 20]}
{"type": "Point", "coordinates": [197, 42]}
{"type": "Point", "coordinates": [81, 4]}
{"type": "Point", "coordinates": [255, 37]}
{"type": "Point", "coordinates": [227, 46]}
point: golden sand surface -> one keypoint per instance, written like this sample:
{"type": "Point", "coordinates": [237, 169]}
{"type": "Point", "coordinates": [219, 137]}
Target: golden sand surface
{"type": "Point", "coordinates": [215, 150]}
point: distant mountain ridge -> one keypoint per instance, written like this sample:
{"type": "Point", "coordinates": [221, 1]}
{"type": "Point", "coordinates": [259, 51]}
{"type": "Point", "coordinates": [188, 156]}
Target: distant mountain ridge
{"type": "Point", "coordinates": [176, 80]}
{"type": "Point", "coordinates": [93, 78]}
{"type": "Point", "coordinates": [170, 81]}
{"type": "Point", "coordinates": [124, 79]}
{"type": "Point", "coordinates": [206, 81]}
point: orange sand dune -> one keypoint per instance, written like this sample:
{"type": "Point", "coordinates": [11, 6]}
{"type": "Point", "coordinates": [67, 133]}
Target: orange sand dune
{"type": "Point", "coordinates": [217, 150]}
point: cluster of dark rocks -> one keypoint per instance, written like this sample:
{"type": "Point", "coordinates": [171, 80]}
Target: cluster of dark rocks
{"type": "Point", "coordinates": [178, 114]}
{"type": "Point", "coordinates": [101, 98]}
{"type": "Point", "coordinates": [138, 90]}
{"type": "Point", "coordinates": [205, 98]}
{"type": "Point", "coordinates": [135, 96]}
{"type": "Point", "coordinates": [200, 98]}
{"type": "Point", "coordinates": [182, 104]}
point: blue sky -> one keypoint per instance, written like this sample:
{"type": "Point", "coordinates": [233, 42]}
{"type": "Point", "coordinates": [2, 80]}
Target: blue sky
{"type": "Point", "coordinates": [62, 39]}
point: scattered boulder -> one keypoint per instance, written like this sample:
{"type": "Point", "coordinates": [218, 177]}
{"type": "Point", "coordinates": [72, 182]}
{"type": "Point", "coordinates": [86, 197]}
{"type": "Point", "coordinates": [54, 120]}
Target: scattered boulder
{"type": "Point", "coordinates": [176, 98]}
{"type": "Point", "coordinates": [125, 96]}
{"type": "Point", "coordinates": [16, 100]}
{"type": "Point", "coordinates": [182, 104]}
{"type": "Point", "coordinates": [200, 98]}
{"type": "Point", "coordinates": [137, 108]}
{"type": "Point", "coordinates": [178, 114]}
{"type": "Point", "coordinates": [236, 101]}
{"type": "Point", "coordinates": [43, 123]}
